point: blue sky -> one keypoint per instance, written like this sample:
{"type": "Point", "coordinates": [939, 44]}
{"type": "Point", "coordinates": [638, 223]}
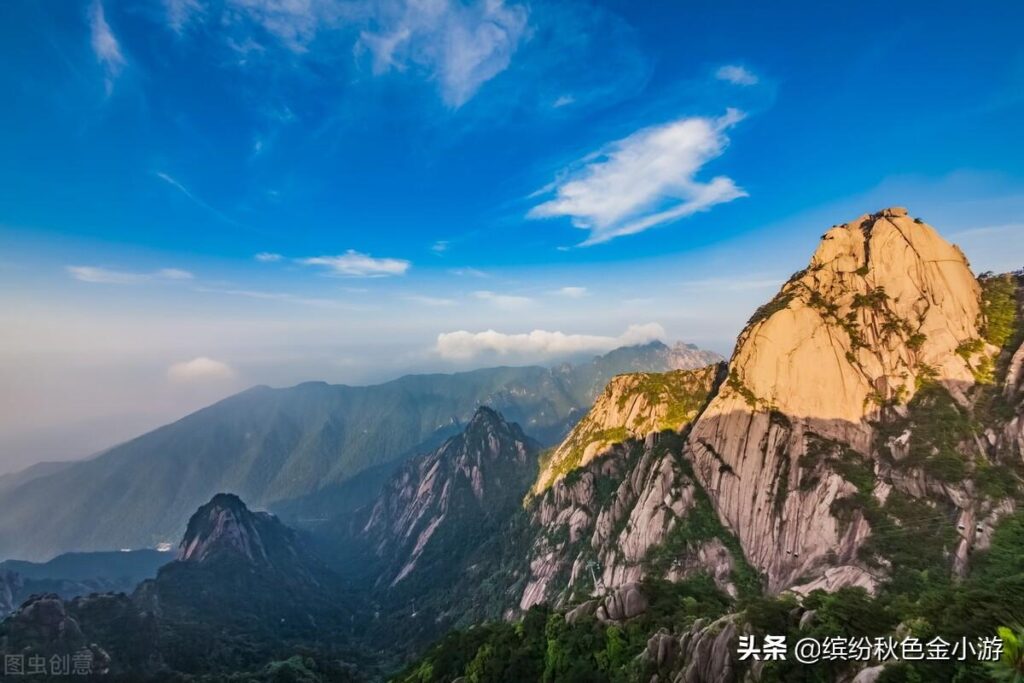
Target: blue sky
{"type": "Point", "coordinates": [200, 196]}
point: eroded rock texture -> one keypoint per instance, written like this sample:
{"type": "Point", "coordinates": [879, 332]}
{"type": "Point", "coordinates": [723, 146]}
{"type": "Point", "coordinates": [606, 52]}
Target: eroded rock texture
{"type": "Point", "coordinates": [884, 303]}
{"type": "Point", "coordinates": [597, 528]}
{"type": "Point", "coordinates": [450, 500]}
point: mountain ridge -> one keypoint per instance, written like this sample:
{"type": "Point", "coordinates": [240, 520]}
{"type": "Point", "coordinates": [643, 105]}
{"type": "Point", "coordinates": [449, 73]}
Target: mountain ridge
{"type": "Point", "coordinates": [463, 490]}
{"type": "Point", "coordinates": [855, 470]}
{"type": "Point", "coordinates": [272, 446]}
{"type": "Point", "coordinates": [858, 473]}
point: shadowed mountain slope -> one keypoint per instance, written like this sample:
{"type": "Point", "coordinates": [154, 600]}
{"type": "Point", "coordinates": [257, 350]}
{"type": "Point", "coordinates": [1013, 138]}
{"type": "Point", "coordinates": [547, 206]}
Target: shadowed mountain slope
{"type": "Point", "coordinates": [278, 445]}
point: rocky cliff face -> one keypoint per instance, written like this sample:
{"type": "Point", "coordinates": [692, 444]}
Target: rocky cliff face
{"type": "Point", "coordinates": [439, 505]}
{"type": "Point", "coordinates": [867, 428]}
{"type": "Point", "coordinates": [620, 506]}
{"type": "Point", "coordinates": [885, 307]}
{"type": "Point", "coordinates": [226, 528]}
{"type": "Point", "coordinates": [702, 654]}
{"type": "Point", "coordinates": [857, 383]}
{"type": "Point", "coordinates": [630, 407]}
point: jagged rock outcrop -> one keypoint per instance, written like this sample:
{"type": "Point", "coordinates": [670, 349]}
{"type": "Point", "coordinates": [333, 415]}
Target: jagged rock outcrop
{"type": "Point", "coordinates": [860, 434]}
{"type": "Point", "coordinates": [884, 304]}
{"type": "Point", "coordinates": [630, 407]}
{"type": "Point", "coordinates": [224, 525]}
{"type": "Point", "coordinates": [624, 603]}
{"type": "Point", "coordinates": [225, 529]}
{"type": "Point", "coordinates": [443, 503]}
{"type": "Point", "coordinates": [597, 527]}
{"type": "Point", "coordinates": [705, 653]}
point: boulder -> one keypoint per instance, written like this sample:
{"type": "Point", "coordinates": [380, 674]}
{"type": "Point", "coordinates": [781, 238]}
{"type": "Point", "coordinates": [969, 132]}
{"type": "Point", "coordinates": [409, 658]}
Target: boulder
{"type": "Point", "coordinates": [626, 602]}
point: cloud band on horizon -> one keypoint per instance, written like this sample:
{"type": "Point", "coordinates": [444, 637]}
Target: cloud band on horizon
{"type": "Point", "coordinates": [464, 345]}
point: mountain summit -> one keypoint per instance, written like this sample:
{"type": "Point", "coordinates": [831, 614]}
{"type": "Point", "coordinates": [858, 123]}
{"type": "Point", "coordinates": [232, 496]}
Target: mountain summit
{"type": "Point", "coordinates": [226, 527]}
{"type": "Point", "coordinates": [865, 440]}
{"type": "Point", "coordinates": [437, 506]}
{"type": "Point", "coordinates": [885, 307]}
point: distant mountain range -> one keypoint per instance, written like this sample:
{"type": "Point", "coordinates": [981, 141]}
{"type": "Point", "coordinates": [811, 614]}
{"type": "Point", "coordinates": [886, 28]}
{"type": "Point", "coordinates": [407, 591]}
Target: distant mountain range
{"type": "Point", "coordinates": [296, 450]}
{"type": "Point", "coordinates": [854, 471]}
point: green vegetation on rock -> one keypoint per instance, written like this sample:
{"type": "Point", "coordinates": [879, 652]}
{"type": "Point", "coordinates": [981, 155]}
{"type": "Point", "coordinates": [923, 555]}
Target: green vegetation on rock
{"type": "Point", "coordinates": [663, 401]}
{"type": "Point", "coordinates": [545, 646]}
{"type": "Point", "coordinates": [922, 600]}
{"type": "Point", "coordinates": [999, 308]}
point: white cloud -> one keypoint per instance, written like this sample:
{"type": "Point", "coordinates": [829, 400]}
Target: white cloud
{"type": "Point", "coordinates": [563, 101]}
{"type": "Point", "coordinates": [294, 23]}
{"type": "Point", "coordinates": [354, 264]}
{"type": "Point", "coordinates": [735, 74]}
{"type": "Point", "coordinates": [440, 246]}
{"type": "Point", "coordinates": [434, 301]}
{"type": "Point", "coordinates": [105, 45]}
{"type": "Point", "coordinates": [459, 45]}
{"type": "Point", "coordinates": [644, 180]}
{"type": "Point", "coordinates": [199, 369]}
{"type": "Point", "coordinates": [573, 292]}
{"type": "Point", "coordinates": [507, 302]}
{"type": "Point", "coordinates": [180, 12]}
{"type": "Point", "coordinates": [268, 257]}
{"type": "Point", "coordinates": [462, 345]}
{"type": "Point", "coordinates": [100, 275]}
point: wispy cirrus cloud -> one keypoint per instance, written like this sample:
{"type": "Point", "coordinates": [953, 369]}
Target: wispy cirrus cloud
{"type": "Point", "coordinates": [572, 292]}
{"type": "Point", "coordinates": [268, 257]}
{"type": "Point", "coordinates": [180, 12]}
{"type": "Point", "coordinates": [458, 45]}
{"type": "Point", "coordinates": [107, 276]}
{"type": "Point", "coordinates": [736, 74]}
{"type": "Point", "coordinates": [355, 264]}
{"type": "Point", "coordinates": [462, 345]}
{"type": "Point", "coordinates": [105, 45]}
{"type": "Point", "coordinates": [198, 201]}
{"type": "Point", "coordinates": [644, 180]}
{"type": "Point", "coordinates": [508, 302]}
